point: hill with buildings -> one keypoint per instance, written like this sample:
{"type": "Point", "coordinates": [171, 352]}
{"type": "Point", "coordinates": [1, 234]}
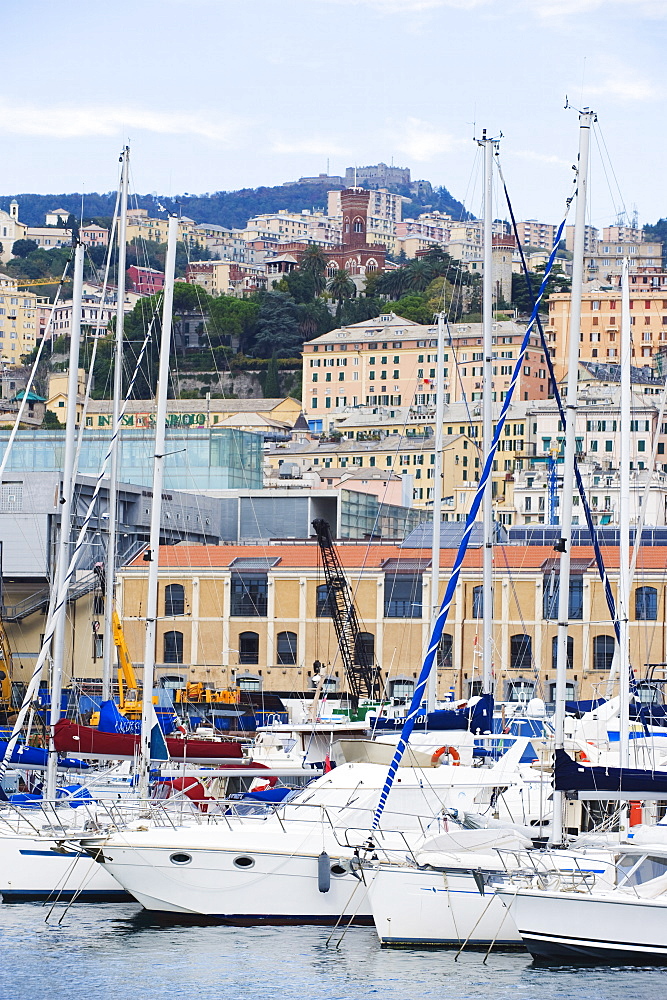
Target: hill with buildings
{"type": "Point", "coordinates": [224, 208]}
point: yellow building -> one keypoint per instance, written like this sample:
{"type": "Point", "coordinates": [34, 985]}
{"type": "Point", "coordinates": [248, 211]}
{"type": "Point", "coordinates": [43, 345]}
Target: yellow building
{"type": "Point", "coordinates": [257, 616]}
{"type": "Point", "coordinates": [601, 325]}
{"type": "Point", "coordinates": [18, 321]}
{"type": "Point", "coordinates": [141, 227]}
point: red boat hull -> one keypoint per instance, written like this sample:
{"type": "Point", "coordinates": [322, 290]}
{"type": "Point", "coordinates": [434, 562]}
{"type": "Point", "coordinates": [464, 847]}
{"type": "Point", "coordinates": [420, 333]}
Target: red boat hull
{"type": "Point", "coordinates": [86, 741]}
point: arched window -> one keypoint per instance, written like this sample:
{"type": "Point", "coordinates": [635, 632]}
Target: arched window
{"type": "Point", "coordinates": [445, 650]}
{"type": "Point", "coordinates": [323, 602]}
{"type": "Point", "coordinates": [521, 652]}
{"type": "Point", "coordinates": [249, 682]}
{"type": "Point", "coordinates": [248, 647]}
{"type": "Point", "coordinates": [478, 602]}
{"type": "Point", "coordinates": [521, 691]}
{"type": "Point", "coordinates": [603, 652]}
{"type": "Point", "coordinates": [332, 268]}
{"type": "Point", "coordinates": [401, 688]}
{"type": "Point", "coordinates": [371, 265]}
{"type": "Point", "coordinates": [346, 226]}
{"type": "Point", "coordinates": [646, 604]}
{"type": "Point", "coordinates": [570, 652]}
{"type": "Point", "coordinates": [286, 648]}
{"type": "Point", "coordinates": [173, 647]}
{"type": "Point", "coordinates": [358, 226]}
{"type": "Point", "coordinates": [174, 599]}
{"type": "Point", "coordinates": [364, 649]}
{"type": "Point", "coordinates": [569, 691]}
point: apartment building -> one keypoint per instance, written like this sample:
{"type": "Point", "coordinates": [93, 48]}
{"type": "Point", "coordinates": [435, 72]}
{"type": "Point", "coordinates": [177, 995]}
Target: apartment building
{"type": "Point", "coordinates": [94, 236]}
{"type": "Point", "coordinates": [257, 617]}
{"type": "Point", "coordinates": [536, 234]}
{"type": "Point", "coordinates": [605, 263]}
{"type": "Point", "coordinates": [18, 321]}
{"type": "Point", "coordinates": [384, 213]}
{"type": "Point", "coordinates": [390, 362]}
{"type": "Point", "coordinates": [601, 321]}
{"type": "Point", "coordinates": [591, 236]}
{"type": "Point", "coordinates": [225, 277]}
{"type": "Point", "coordinates": [293, 227]}
{"type": "Point", "coordinates": [141, 227]}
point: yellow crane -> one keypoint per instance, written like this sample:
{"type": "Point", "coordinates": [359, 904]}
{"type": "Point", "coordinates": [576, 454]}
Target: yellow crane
{"type": "Point", "coordinates": [5, 676]}
{"type": "Point", "coordinates": [41, 281]}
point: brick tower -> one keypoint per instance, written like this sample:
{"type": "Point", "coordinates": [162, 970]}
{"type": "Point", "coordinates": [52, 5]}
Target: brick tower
{"type": "Point", "coordinates": [354, 206]}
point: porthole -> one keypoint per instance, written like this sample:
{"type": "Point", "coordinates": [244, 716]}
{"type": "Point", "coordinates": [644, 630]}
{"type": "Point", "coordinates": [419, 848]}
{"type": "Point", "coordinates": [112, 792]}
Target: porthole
{"type": "Point", "coordinates": [180, 858]}
{"type": "Point", "coordinates": [244, 861]}
{"type": "Point", "coordinates": [338, 869]}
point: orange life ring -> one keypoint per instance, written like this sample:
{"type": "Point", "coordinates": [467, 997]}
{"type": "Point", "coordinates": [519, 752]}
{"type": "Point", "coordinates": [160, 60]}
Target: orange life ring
{"type": "Point", "coordinates": [451, 752]}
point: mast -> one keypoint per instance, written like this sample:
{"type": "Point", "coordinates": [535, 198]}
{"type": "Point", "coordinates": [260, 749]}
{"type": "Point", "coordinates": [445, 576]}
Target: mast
{"type": "Point", "coordinates": [487, 415]}
{"type": "Point", "coordinates": [624, 524]}
{"type": "Point", "coordinates": [108, 647]}
{"type": "Point", "coordinates": [432, 687]}
{"type": "Point", "coordinates": [66, 498]}
{"type": "Point", "coordinates": [586, 119]}
{"type": "Point", "coordinates": [147, 714]}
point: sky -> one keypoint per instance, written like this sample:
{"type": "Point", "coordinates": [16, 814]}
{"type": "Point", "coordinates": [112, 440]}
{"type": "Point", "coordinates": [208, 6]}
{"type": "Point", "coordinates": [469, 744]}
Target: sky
{"type": "Point", "coordinates": [223, 94]}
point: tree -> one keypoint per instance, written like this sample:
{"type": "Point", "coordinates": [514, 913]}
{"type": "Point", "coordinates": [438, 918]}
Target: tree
{"type": "Point", "coordinates": [341, 287]}
{"type": "Point", "coordinates": [50, 421]}
{"type": "Point", "coordinates": [22, 248]}
{"type": "Point", "coordinates": [232, 322]}
{"type": "Point", "coordinates": [392, 283]}
{"type": "Point", "coordinates": [314, 262]}
{"type": "Point", "coordinates": [277, 327]}
{"type": "Point", "coordinates": [413, 306]}
{"type": "Point", "coordinates": [271, 382]}
{"type": "Point", "coordinates": [301, 285]}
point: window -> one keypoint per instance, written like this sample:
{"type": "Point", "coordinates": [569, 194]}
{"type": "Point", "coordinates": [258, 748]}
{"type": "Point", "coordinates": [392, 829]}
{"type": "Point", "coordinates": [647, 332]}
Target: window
{"type": "Point", "coordinates": [646, 604]}
{"type": "Point", "coordinates": [248, 647]}
{"type": "Point", "coordinates": [98, 646]}
{"type": "Point", "coordinates": [402, 595]}
{"type": "Point", "coordinates": [521, 652]}
{"type": "Point", "coordinates": [324, 602]}
{"type": "Point", "coordinates": [174, 599]}
{"type": "Point", "coordinates": [477, 602]}
{"type": "Point", "coordinates": [249, 682]}
{"type": "Point", "coordinates": [550, 596]}
{"type": "Point", "coordinates": [603, 652]}
{"type": "Point", "coordinates": [173, 647]}
{"type": "Point", "coordinates": [249, 595]}
{"type": "Point", "coordinates": [521, 691]}
{"type": "Point", "coordinates": [401, 688]}
{"type": "Point", "coordinates": [570, 652]}
{"type": "Point", "coordinates": [445, 651]}
{"type": "Point", "coordinates": [569, 691]}
{"type": "Point", "coordinates": [364, 649]}
{"type": "Point", "coordinates": [286, 648]}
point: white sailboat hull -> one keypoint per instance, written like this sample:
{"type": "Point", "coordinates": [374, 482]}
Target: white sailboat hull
{"type": "Point", "coordinates": [40, 869]}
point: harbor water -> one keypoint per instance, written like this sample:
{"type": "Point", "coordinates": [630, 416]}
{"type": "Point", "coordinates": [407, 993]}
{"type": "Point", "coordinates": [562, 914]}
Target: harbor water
{"type": "Point", "coordinates": [117, 951]}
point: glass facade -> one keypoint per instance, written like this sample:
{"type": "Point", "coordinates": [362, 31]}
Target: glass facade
{"type": "Point", "coordinates": [363, 516]}
{"type": "Point", "coordinates": [197, 458]}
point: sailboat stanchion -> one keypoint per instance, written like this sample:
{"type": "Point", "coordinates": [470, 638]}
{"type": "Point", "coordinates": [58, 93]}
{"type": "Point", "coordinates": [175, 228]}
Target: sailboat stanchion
{"type": "Point", "coordinates": [108, 647]}
{"type": "Point", "coordinates": [586, 119]}
{"type": "Point", "coordinates": [147, 710]}
{"type": "Point", "coordinates": [63, 552]}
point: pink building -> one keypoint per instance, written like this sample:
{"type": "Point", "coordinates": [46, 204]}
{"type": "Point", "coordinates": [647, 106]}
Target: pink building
{"type": "Point", "coordinates": [94, 236]}
{"type": "Point", "coordinates": [146, 280]}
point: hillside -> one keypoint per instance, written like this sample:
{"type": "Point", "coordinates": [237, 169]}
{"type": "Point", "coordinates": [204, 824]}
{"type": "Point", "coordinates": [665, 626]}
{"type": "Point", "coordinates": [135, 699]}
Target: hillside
{"type": "Point", "coordinates": [222, 208]}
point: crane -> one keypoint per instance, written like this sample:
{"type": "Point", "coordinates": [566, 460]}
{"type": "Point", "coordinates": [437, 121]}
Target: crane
{"type": "Point", "coordinates": [41, 281]}
{"type": "Point", "coordinates": [363, 676]}
{"type": "Point", "coordinates": [5, 676]}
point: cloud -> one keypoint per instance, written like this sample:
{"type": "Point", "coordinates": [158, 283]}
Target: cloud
{"type": "Point", "coordinates": [529, 154]}
{"type": "Point", "coordinates": [422, 141]}
{"type": "Point", "coordinates": [566, 8]}
{"type": "Point", "coordinates": [314, 145]}
{"type": "Point", "coordinates": [624, 87]}
{"type": "Point", "coordinates": [68, 122]}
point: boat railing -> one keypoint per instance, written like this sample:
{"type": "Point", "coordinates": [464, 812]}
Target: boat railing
{"type": "Point", "coordinates": [553, 872]}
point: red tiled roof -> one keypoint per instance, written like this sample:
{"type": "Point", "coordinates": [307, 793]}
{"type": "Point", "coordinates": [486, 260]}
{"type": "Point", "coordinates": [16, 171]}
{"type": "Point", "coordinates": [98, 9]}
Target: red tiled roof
{"type": "Point", "coordinates": [516, 557]}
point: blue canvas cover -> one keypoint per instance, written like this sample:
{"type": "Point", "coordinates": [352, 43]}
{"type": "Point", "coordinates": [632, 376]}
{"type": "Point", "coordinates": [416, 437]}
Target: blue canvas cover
{"type": "Point", "coordinates": [569, 776]}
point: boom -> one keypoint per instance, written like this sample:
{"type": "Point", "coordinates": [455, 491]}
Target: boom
{"type": "Point", "coordinates": [363, 676]}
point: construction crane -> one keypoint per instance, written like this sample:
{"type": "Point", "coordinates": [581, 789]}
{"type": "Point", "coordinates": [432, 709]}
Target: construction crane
{"type": "Point", "coordinates": [363, 676]}
{"type": "Point", "coordinates": [41, 281]}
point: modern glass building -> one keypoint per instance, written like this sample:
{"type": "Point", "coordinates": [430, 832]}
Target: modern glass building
{"type": "Point", "coordinates": [196, 458]}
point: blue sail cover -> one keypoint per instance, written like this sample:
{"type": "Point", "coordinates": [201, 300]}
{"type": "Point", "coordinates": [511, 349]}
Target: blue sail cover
{"type": "Point", "coordinates": [111, 720]}
{"type": "Point", "coordinates": [477, 718]}
{"type": "Point", "coordinates": [569, 776]}
{"type": "Point", "coordinates": [28, 756]}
